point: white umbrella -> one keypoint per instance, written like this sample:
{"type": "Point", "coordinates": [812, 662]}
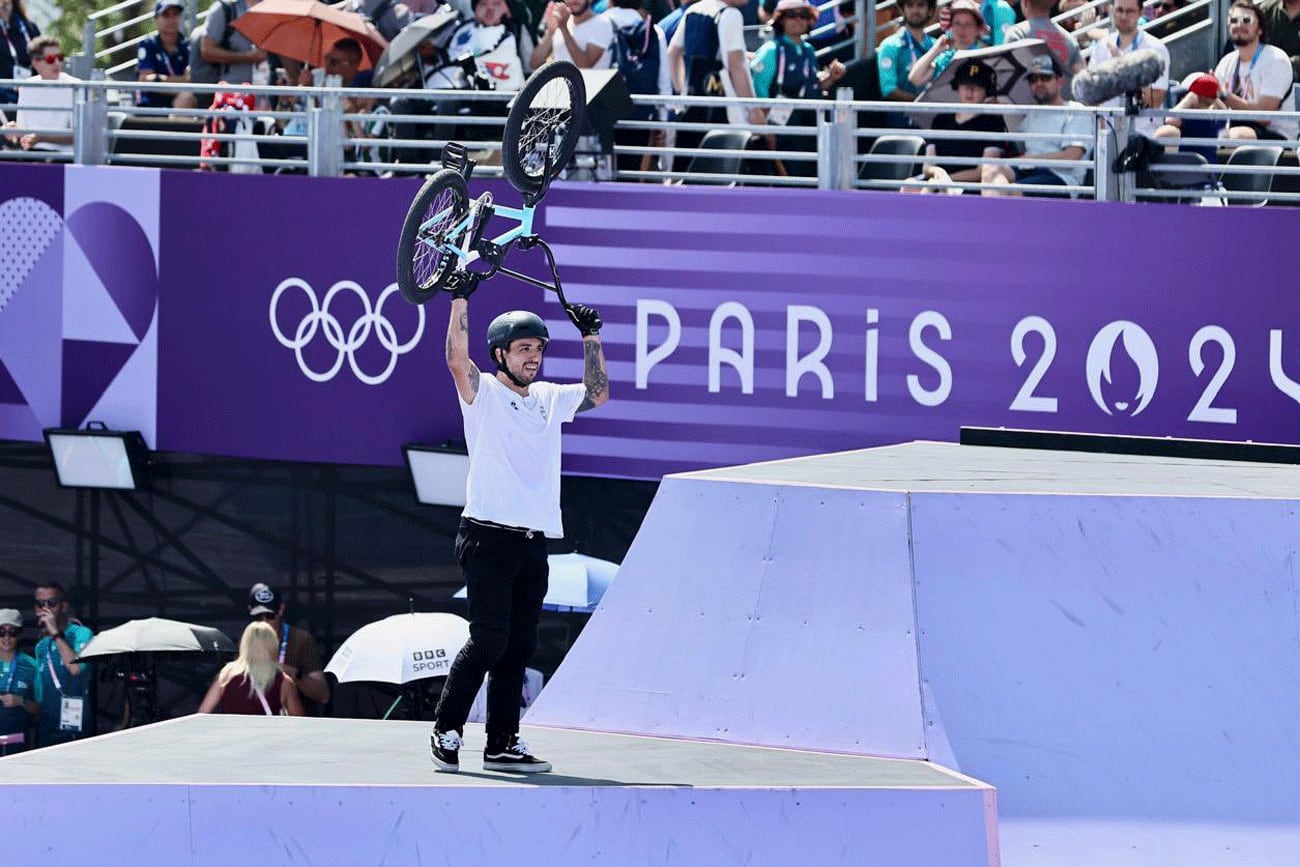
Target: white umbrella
{"type": "Point", "coordinates": [401, 648]}
{"type": "Point", "coordinates": [577, 582]}
{"type": "Point", "coordinates": [156, 634]}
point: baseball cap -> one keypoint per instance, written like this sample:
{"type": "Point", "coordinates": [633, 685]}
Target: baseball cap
{"type": "Point", "coordinates": [1205, 85]}
{"type": "Point", "coordinates": [975, 72]}
{"type": "Point", "coordinates": [163, 5]}
{"type": "Point", "coordinates": [968, 6]}
{"type": "Point", "coordinates": [263, 600]}
{"type": "Point", "coordinates": [11, 617]}
{"type": "Point", "coordinates": [1044, 64]}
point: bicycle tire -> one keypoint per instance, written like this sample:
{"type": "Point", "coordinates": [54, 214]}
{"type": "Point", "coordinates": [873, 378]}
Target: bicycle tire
{"type": "Point", "coordinates": [547, 115]}
{"type": "Point", "coordinates": [422, 269]}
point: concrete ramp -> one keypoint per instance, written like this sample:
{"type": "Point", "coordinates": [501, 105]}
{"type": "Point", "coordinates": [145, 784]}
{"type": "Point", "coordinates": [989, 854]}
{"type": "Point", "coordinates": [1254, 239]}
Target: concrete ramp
{"type": "Point", "coordinates": [1112, 642]}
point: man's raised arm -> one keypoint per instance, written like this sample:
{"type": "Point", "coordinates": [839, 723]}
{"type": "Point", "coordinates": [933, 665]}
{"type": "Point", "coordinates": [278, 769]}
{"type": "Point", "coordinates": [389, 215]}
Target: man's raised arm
{"type": "Point", "coordinates": [594, 376]}
{"type": "Point", "coordinates": [463, 370]}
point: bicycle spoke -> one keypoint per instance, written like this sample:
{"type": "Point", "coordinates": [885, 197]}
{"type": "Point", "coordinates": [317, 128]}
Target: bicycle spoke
{"type": "Point", "coordinates": [431, 259]}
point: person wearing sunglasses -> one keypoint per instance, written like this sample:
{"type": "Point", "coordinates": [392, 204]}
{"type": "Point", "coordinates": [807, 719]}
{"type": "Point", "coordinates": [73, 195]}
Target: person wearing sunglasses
{"type": "Point", "coordinates": [298, 654]}
{"type": "Point", "coordinates": [17, 684]}
{"type": "Point", "coordinates": [48, 109]}
{"type": "Point", "coordinates": [66, 712]}
{"type": "Point", "coordinates": [1255, 77]}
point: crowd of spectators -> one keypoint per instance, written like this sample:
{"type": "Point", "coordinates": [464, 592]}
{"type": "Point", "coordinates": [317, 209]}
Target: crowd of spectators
{"type": "Point", "coordinates": [47, 696]}
{"type": "Point", "coordinates": [700, 48]}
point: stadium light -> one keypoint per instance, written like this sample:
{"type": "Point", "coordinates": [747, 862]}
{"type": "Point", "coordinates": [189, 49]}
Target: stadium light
{"type": "Point", "coordinates": [97, 457]}
{"type": "Point", "coordinates": [439, 472]}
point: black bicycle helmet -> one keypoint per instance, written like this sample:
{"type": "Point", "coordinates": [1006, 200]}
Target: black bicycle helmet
{"type": "Point", "coordinates": [512, 326]}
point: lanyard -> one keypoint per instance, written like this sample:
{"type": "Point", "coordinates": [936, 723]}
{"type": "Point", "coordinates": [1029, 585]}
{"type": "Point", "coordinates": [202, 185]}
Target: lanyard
{"type": "Point", "coordinates": [13, 672]}
{"type": "Point", "coordinates": [167, 58]}
{"type": "Point", "coordinates": [284, 640]}
{"type": "Point", "coordinates": [49, 663]}
{"type": "Point", "coordinates": [912, 45]}
{"type": "Point", "coordinates": [1236, 73]}
{"type": "Point", "coordinates": [780, 70]}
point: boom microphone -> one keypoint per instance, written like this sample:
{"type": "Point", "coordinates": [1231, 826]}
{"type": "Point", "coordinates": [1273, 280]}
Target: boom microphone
{"type": "Point", "coordinates": [1125, 74]}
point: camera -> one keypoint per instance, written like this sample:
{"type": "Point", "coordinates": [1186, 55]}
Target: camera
{"type": "Point", "coordinates": [477, 80]}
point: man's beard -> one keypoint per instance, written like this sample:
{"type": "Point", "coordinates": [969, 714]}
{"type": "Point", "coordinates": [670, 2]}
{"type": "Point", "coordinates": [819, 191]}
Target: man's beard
{"type": "Point", "coordinates": [1242, 40]}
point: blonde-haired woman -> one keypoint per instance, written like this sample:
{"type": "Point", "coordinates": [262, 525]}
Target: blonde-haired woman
{"type": "Point", "coordinates": [253, 683]}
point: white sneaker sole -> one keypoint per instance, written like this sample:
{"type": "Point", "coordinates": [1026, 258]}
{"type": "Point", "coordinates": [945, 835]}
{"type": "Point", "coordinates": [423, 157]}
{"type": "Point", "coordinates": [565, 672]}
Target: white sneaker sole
{"type": "Point", "coordinates": [511, 767]}
{"type": "Point", "coordinates": [448, 767]}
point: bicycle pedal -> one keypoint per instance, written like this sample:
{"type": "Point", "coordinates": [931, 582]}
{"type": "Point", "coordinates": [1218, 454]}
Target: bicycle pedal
{"type": "Point", "coordinates": [455, 156]}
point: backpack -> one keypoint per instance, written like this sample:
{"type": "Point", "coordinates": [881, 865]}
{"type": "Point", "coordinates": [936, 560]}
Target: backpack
{"type": "Point", "coordinates": [201, 71]}
{"type": "Point", "coordinates": [636, 56]}
{"type": "Point", "coordinates": [700, 48]}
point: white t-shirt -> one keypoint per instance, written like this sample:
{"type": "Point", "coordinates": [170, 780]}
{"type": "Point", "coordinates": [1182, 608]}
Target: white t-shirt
{"type": "Point", "coordinates": [495, 52]}
{"type": "Point", "coordinates": [1113, 46]}
{"type": "Point", "coordinates": [1075, 128]}
{"type": "Point", "coordinates": [47, 108]}
{"type": "Point", "coordinates": [596, 30]}
{"type": "Point", "coordinates": [1267, 74]}
{"type": "Point", "coordinates": [514, 453]}
{"type": "Point", "coordinates": [731, 37]}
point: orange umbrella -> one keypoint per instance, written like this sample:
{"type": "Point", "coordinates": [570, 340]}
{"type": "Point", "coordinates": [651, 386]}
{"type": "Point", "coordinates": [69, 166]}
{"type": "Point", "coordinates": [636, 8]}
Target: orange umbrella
{"type": "Point", "coordinates": [306, 30]}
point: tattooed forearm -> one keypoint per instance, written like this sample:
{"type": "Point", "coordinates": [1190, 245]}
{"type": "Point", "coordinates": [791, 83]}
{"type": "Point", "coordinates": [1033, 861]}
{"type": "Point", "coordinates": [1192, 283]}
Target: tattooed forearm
{"type": "Point", "coordinates": [594, 375]}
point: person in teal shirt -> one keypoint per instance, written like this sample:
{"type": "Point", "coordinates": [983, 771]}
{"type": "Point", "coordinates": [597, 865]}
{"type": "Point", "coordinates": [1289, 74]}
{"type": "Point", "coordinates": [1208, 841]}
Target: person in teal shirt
{"type": "Point", "coordinates": [998, 16]}
{"type": "Point", "coordinates": [17, 684]}
{"type": "Point", "coordinates": [896, 54]}
{"type": "Point", "coordinates": [66, 712]}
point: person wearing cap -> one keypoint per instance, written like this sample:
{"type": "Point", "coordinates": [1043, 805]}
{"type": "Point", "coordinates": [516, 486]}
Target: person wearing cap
{"type": "Point", "coordinates": [786, 65]}
{"type": "Point", "coordinates": [1128, 37]}
{"type": "Point", "coordinates": [1067, 135]}
{"type": "Point", "coordinates": [974, 81]}
{"type": "Point", "coordinates": [966, 24]}
{"type": "Point", "coordinates": [65, 709]}
{"type": "Point", "coordinates": [512, 506]}
{"type": "Point", "coordinates": [165, 57]}
{"type": "Point", "coordinates": [17, 684]}
{"type": "Point", "coordinates": [1202, 93]}
{"type": "Point", "coordinates": [1255, 77]}
{"type": "Point", "coordinates": [298, 654]}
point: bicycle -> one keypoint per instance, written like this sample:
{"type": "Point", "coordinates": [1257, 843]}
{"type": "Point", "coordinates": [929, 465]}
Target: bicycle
{"type": "Point", "coordinates": [442, 244]}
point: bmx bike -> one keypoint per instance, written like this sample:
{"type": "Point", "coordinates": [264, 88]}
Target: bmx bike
{"type": "Point", "coordinates": [443, 245]}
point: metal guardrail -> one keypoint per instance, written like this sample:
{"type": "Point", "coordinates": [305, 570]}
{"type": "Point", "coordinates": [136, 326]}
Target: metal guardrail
{"type": "Point", "coordinates": [305, 130]}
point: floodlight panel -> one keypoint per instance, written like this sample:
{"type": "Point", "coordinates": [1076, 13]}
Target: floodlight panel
{"type": "Point", "coordinates": [440, 476]}
{"type": "Point", "coordinates": [98, 461]}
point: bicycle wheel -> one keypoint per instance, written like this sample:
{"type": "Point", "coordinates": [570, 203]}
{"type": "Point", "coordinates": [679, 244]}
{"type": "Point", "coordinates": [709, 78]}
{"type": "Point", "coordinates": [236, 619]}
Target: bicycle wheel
{"type": "Point", "coordinates": [545, 119]}
{"type": "Point", "coordinates": [435, 223]}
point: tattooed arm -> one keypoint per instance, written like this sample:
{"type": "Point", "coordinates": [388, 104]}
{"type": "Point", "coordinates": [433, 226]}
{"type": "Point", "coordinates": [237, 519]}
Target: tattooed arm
{"type": "Point", "coordinates": [593, 373]}
{"type": "Point", "coordinates": [463, 370]}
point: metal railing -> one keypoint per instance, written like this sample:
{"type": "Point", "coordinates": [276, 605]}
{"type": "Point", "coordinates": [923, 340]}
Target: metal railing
{"type": "Point", "coordinates": [828, 145]}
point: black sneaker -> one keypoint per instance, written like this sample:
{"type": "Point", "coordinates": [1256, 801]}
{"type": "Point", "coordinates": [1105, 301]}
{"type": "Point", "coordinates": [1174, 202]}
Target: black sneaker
{"type": "Point", "coordinates": [446, 750]}
{"type": "Point", "coordinates": [514, 757]}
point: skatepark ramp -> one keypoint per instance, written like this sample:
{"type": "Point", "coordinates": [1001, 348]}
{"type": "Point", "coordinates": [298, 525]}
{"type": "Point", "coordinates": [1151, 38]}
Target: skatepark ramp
{"type": "Point", "coordinates": [1113, 642]}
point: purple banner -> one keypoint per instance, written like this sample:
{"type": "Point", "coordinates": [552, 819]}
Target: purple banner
{"type": "Point", "coordinates": [258, 317]}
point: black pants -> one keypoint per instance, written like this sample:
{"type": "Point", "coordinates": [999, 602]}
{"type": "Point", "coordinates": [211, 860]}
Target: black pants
{"type": "Point", "coordinates": [506, 576]}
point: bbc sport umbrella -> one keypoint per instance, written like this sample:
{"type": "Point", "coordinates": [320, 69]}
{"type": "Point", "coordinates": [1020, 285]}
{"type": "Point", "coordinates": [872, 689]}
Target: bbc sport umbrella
{"type": "Point", "coordinates": [401, 55]}
{"type": "Point", "coordinates": [306, 30]}
{"type": "Point", "coordinates": [577, 582]}
{"type": "Point", "coordinates": [157, 635]}
{"type": "Point", "coordinates": [1010, 62]}
{"type": "Point", "coordinates": [400, 649]}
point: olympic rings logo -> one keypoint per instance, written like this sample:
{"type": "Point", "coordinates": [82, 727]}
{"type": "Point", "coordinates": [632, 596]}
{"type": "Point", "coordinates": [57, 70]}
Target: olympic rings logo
{"type": "Point", "coordinates": [319, 319]}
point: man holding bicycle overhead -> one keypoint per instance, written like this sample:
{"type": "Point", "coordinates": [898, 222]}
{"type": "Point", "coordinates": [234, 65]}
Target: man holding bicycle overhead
{"type": "Point", "coordinates": [512, 428]}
